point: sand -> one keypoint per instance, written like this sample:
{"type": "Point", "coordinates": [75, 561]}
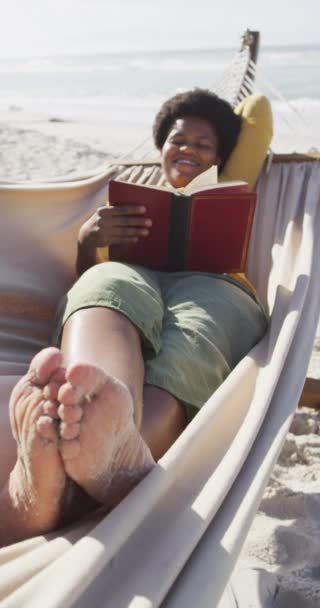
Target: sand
{"type": "Point", "coordinates": [285, 535]}
{"type": "Point", "coordinates": [28, 154]}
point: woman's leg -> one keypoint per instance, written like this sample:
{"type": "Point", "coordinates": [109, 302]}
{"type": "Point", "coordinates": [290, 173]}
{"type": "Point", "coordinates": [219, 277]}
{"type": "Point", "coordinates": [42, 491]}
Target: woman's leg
{"type": "Point", "coordinates": [103, 311]}
{"type": "Point", "coordinates": [106, 338]}
{"type": "Point", "coordinates": [164, 419]}
{"type": "Point", "coordinates": [102, 407]}
{"type": "Point", "coordinates": [209, 325]}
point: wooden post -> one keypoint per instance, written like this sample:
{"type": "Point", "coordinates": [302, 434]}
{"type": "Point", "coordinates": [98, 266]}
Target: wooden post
{"type": "Point", "coordinates": [251, 39]}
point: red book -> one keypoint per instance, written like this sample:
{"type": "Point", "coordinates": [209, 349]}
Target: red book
{"type": "Point", "coordinates": [206, 231]}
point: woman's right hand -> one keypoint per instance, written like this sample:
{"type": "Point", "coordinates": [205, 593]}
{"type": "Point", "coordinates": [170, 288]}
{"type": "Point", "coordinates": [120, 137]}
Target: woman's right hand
{"type": "Point", "coordinates": [119, 225]}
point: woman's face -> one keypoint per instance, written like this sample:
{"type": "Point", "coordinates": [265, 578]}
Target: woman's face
{"type": "Point", "coordinates": [190, 148]}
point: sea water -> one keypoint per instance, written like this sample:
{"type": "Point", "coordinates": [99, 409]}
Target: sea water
{"type": "Point", "coordinates": [126, 89]}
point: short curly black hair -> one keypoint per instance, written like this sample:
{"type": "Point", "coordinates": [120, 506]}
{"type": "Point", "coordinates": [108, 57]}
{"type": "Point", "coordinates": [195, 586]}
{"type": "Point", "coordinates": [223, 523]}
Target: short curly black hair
{"type": "Point", "coordinates": [201, 103]}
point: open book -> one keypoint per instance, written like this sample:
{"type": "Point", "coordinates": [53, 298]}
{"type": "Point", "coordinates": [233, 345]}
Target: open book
{"type": "Point", "coordinates": [206, 227]}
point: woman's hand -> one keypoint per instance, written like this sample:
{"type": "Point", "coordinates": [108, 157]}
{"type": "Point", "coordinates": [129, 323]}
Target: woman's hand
{"type": "Point", "coordinates": [120, 225]}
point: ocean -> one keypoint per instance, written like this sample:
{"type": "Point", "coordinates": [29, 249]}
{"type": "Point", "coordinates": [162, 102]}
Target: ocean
{"type": "Point", "coordinates": [126, 89]}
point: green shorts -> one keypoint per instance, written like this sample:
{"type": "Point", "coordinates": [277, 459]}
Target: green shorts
{"type": "Point", "coordinates": [194, 327]}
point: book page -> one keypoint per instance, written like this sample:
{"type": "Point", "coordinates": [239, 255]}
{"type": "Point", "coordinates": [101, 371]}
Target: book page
{"type": "Point", "coordinates": [205, 180]}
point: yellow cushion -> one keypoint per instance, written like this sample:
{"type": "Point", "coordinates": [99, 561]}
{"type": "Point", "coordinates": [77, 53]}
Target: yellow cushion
{"type": "Point", "coordinates": [247, 158]}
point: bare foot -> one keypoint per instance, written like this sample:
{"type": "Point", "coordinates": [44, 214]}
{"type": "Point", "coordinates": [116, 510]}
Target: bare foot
{"type": "Point", "coordinates": [33, 500]}
{"type": "Point", "coordinates": [101, 446]}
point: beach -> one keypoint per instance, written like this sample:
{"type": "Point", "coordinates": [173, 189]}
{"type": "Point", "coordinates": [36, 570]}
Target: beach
{"type": "Point", "coordinates": [108, 101]}
{"type": "Point", "coordinates": [40, 142]}
{"type": "Point", "coordinates": [30, 154]}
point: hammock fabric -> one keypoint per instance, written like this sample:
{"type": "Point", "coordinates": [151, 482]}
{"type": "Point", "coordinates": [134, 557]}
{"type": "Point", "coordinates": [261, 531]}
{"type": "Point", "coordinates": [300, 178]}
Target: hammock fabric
{"type": "Point", "coordinates": [175, 539]}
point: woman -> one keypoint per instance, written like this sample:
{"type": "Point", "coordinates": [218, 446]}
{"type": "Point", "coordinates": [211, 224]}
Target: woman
{"type": "Point", "coordinates": [143, 350]}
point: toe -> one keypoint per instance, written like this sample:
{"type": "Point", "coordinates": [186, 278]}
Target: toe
{"type": "Point", "coordinates": [69, 431]}
{"type": "Point", "coordinates": [44, 365]}
{"type": "Point", "coordinates": [51, 408]}
{"type": "Point", "coordinates": [90, 378]}
{"type": "Point", "coordinates": [47, 428]}
{"type": "Point", "coordinates": [50, 391]}
{"type": "Point", "coordinates": [70, 395]}
{"type": "Point", "coordinates": [71, 413]}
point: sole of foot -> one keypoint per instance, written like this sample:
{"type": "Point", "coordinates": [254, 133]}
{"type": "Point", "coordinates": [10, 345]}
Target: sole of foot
{"type": "Point", "coordinates": [38, 486]}
{"type": "Point", "coordinates": [102, 449]}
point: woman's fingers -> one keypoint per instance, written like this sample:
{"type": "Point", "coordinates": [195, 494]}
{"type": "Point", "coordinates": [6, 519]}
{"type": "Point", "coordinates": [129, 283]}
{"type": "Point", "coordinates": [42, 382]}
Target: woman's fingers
{"type": "Point", "coordinates": [122, 216]}
{"type": "Point", "coordinates": [128, 209]}
{"type": "Point", "coordinates": [127, 231]}
{"type": "Point", "coordinates": [121, 225]}
{"type": "Point", "coordinates": [131, 221]}
{"type": "Point", "coordinates": [123, 240]}
{"type": "Point", "coordinates": [120, 210]}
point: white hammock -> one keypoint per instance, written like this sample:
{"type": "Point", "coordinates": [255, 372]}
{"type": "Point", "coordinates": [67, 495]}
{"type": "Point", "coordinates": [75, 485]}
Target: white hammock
{"type": "Point", "coordinates": [175, 539]}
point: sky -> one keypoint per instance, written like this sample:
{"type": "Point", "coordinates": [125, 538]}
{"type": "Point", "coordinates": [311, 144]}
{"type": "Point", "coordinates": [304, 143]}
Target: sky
{"type": "Point", "coordinates": [46, 27]}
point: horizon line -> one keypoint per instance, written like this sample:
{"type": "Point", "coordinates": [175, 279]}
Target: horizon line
{"type": "Point", "coordinates": [77, 52]}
